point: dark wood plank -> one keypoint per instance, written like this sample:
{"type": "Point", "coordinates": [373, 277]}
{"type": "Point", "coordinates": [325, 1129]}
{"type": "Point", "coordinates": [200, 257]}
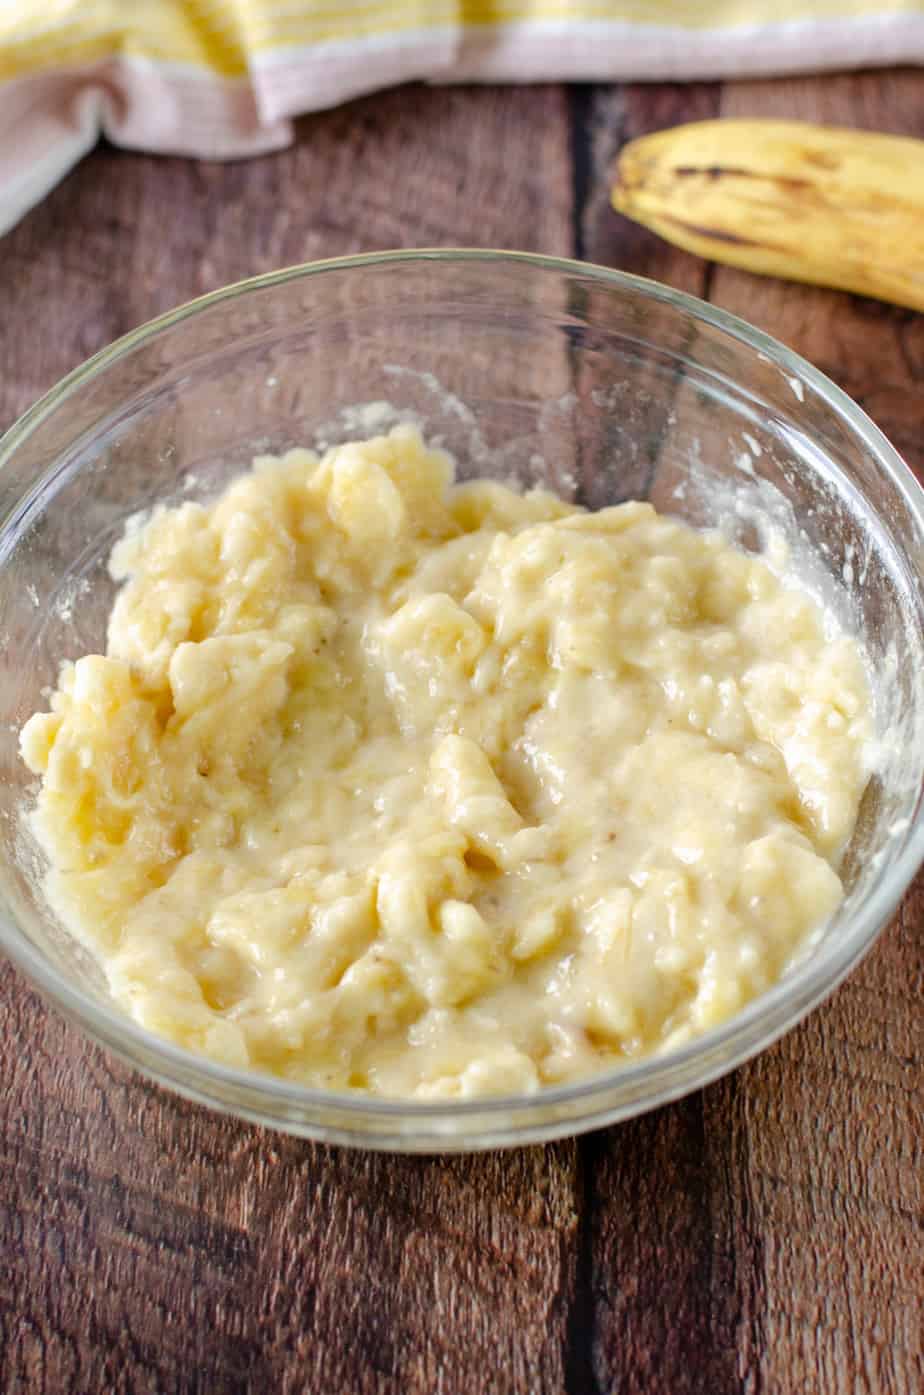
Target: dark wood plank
{"type": "Point", "coordinates": [148, 1245]}
{"type": "Point", "coordinates": [766, 1235]}
{"type": "Point", "coordinates": [618, 450]}
{"type": "Point", "coordinates": [610, 117]}
{"type": "Point", "coordinates": [152, 1246]}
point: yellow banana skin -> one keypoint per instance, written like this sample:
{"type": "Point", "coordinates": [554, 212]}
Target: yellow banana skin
{"type": "Point", "coordinates": [822, 204]}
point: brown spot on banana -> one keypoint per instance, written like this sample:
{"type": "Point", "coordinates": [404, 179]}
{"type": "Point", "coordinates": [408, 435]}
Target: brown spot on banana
{"type": "Point", "coordinates": [716, 172]}
{"type": "Point", "coordinates": [716, 234]}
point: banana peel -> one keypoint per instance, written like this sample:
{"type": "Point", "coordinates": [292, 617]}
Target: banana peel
{"type": "Point", "coordinates": [822, 204]}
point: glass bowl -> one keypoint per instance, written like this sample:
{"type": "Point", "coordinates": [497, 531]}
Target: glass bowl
{"type": "Point", "coordinates": [600, 385]}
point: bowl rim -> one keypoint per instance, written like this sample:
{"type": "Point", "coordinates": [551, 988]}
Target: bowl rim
{"type": "Point", "coordinates": [610, 1095]}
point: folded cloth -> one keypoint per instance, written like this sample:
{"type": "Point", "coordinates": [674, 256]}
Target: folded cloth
{"type": "Point", "coordinates": [222, 78]}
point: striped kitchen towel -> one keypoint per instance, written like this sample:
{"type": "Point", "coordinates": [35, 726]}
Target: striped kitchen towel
{"type": "Point", "coordinates": [223, 78]}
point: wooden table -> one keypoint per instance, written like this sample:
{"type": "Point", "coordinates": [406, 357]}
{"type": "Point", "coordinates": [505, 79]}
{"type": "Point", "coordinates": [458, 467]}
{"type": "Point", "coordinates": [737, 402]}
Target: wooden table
{"type": "Point", "coordinates": [763, 1236]}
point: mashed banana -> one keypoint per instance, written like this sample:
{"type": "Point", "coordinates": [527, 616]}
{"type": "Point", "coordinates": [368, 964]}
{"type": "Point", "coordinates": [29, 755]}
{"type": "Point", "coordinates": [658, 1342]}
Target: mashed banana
{"type": "Point", "coordinates": [441, 790]}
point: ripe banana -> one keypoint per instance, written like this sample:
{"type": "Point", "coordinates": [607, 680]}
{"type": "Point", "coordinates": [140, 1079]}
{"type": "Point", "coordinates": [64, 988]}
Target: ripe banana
{"type": "Point", "coordinates": [822, 204]}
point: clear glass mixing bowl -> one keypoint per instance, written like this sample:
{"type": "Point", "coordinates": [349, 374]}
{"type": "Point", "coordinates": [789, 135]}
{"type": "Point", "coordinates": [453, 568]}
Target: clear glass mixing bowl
{"type": "Point", "coordinates": [600, 385]}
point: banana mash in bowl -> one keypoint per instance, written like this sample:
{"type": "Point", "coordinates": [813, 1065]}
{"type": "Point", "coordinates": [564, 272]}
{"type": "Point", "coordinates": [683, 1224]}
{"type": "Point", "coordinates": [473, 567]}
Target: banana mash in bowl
{"type": "Point", "coordinates": [439, 790]}
{"type": "Point", "coordinates": [473, 768]}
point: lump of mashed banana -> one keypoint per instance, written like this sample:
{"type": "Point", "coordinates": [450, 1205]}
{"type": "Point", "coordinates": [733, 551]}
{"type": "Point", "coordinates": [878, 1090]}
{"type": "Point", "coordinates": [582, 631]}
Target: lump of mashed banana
{"type": "Point", "coordinates": [442, 790]}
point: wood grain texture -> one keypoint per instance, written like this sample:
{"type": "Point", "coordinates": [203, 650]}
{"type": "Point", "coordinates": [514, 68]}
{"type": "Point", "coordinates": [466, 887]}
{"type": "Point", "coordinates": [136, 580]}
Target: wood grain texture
{"type": "Point", "coordinates": [126, 237]}
{"type": "Point", "coordinates": [764, 1236]}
